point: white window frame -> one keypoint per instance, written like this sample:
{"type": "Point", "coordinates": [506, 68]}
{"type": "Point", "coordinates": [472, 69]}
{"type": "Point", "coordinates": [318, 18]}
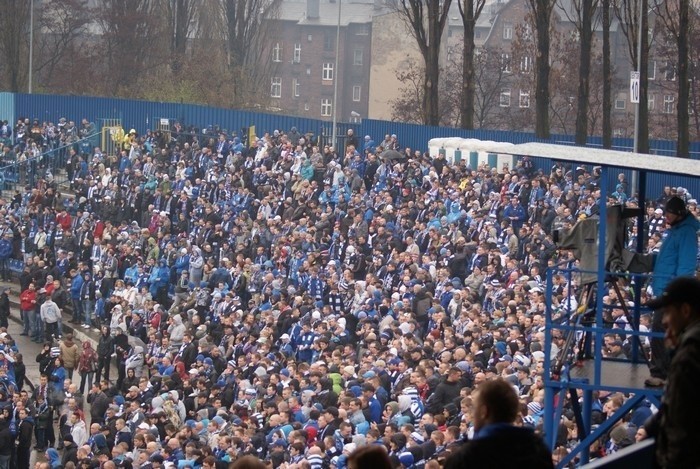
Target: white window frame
{"type": "Point", "coordinates": [276, 87]}
{"type": "Point", "coordinates": [526, 64]}
{"type": "Point", "coordinates": [297, 53]}
{"type": "Point", "coordinates": [326, 107]}
{"type": "Point", "coordinates": [356, 93]}
{"type": "Point", "coordinates": [327, 71]}
{"type": "Point", "coordinates": [504, 98]}
{"type": "Point", "coordinates": [651, 102]}
{"type": "Point", "coordinates": [507, 30]}
{"type": "Point", "coordinates": [357, 56]}
{"type": "Point", "coordinates": [505, 62]}
{"type": "Point", "coordinates": [669, 104]}
{"type": "Point", "coordinates": [620, 103]}
{"type": "Point", "coordinates": [277, 52]}
{"type": "Point", "coordinates": [363, 30]}
{"type": "Point", "coordinates": [652, 70]}
{"type": "Point", "coordinates": [524, 99]}
{"type": "Point", "coordinates": [670, 72]}
{"type": "Point", "coordinates": [296, 87]}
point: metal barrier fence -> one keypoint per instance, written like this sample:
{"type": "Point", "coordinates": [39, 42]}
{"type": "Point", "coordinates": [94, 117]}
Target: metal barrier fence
{"type": "Point", "coordinates": [49, 164]}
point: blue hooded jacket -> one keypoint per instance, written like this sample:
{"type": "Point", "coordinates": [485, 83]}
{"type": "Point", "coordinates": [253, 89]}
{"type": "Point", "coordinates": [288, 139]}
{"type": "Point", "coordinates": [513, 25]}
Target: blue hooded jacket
{"type": "Point", "coordinates": [678, 254]}
{"type": "Point", "coordinates": [54, 458]}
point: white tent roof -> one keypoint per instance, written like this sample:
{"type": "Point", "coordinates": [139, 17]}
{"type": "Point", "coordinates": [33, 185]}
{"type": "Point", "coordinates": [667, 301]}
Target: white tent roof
{"type": "Point", "coordinates": [602, 157]}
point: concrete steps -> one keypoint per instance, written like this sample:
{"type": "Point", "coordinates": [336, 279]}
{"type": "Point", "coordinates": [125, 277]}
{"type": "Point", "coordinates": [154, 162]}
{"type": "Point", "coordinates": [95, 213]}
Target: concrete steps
{"type": "Point", "coordinates": [78, 332]}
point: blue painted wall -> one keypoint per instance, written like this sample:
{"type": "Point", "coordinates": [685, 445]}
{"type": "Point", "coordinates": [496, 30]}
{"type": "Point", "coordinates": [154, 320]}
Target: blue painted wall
{"type": "Point", "coordinates": [141, 115]}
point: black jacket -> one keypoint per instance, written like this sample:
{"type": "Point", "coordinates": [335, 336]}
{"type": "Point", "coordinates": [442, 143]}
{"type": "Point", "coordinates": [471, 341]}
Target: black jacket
{"type": "Point", "coordinates": [98, 406]}
{"type": "Point", "coordinates": [677, 419]}
{"type": "Point", "coordinates": [445, 393]}
{"type": "Point", "coordinates": [7, 441]}
{"type": "Point", "coordinates": [524, 449]}
{"type": "Point", "coordinates": [105, 347]}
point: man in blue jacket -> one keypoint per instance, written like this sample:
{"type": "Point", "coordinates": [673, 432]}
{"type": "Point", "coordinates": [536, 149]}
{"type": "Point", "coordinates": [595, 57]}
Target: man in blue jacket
{"type": "Point", "coordinates": [676, 258]}
{"type": "Point", "coordinates": [5, 253]}
{"type": "Point", "coordinates": [75, 288]}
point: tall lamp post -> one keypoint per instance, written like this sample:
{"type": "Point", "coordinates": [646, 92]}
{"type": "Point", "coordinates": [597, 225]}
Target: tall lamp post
{"type": "Point", "coordinates": [335, 80]}
{"type": "Point", "coordinates": [31, 43]}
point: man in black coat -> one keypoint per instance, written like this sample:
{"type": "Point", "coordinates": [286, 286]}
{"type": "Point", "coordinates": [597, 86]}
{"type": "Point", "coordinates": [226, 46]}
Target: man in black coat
{"type": "Point", "coordinates": [446, 392]}
{"type": "Point", "coordinates": [4, 307]}
{"type": "Point", "coordinates": [188, 351]}
{"type": "Point", "coordinates": [7, 441]}
{"type": "Point", "coordinates": [496, 405]}
{"type": "Point", "coordinates": [25, 430]}
{"type": "Point", "coordinates": [99, 402]}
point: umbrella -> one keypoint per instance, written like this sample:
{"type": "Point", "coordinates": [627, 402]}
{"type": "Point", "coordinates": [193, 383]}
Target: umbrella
{"type": "Point", "coordinates": [135, 341]}
{"type": "Point", "coordinates": [393, 155]}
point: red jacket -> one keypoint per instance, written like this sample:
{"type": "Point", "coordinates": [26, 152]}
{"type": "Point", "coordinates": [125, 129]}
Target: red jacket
{"type": "Point", "coordinates": [27, 300]}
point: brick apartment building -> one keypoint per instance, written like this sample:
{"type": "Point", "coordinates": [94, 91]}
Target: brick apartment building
{"type": "Point", "coordinates": [304, 59]}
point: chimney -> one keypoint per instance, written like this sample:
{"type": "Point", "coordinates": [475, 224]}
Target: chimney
{"type": "Point", "coordinates": [312, 9]}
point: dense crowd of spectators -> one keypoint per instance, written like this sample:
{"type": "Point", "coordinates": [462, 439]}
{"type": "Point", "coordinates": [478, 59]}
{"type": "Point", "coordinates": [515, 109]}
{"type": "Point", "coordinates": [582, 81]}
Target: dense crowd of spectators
{"type": "Point", "coordinates": [281, 299]}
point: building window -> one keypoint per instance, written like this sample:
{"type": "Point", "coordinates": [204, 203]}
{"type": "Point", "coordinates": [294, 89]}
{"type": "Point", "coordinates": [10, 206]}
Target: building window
{"type": "Point", "coordinates": [670, 71]}
{"type": "Point", "coordinates": [277, 53]}
{"type": "Point", "coordinates": [620, 103]}
{"type": "Point", "coordinates": [328, 42]}
{"type": "Point", "coordinates": [357, 57]}
{"type": "Point", "coordinates": [297, 53]}
{"type": "Point", "coordinates": [669, 104]}
{"type": "Point", "coordinates": [306, 106]}
{"type": "Point", "coordinates": [296, 87]}
{"type": "Point", "coordinates": [276, 88]}
{"type": "Point", "coordinates": [526, 64]}
{"type": "Point", "coordinates": [652, 70]}
{"type": "Point", "coordinates": [327, 71]}
{"type": "Point", "coordinates": [505, 97]}
{"type": "Point", "coordinates": [524, 99]}
{"type": "Point", "coordinates": [363, 30]}
{"type": "Point", "coordinates": [650, 102]}
{"type": "Point", "coordinates": [356, 92]}
{"type": "Point", "coordinates": [505, 62]}
{"type": "Point", "coordinates": [507, 31]}
{"type": "Point", "coordinates": [326, 107]}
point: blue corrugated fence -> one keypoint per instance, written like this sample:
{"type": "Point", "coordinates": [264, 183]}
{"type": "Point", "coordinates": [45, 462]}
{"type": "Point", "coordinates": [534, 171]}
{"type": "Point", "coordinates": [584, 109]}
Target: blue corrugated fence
{"type": "Point", "coordinates": [141, 116]}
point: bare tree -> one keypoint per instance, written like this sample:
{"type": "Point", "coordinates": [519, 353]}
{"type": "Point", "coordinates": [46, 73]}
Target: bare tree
{"type": "Point", "coordinates": [469, 10]}
{"type": "Point", "coordinates": [403, 108]}
{"type": "Point", "coordinates": [542, 14]}
{"type": "Point", "coordinates": [246, 30]}
{"type": "Point", "coordinates": [131, 30]}
{"type": "Point", "coordinates": [181, 16]}
{"type": "Point", "coordinates": [63, 25]}
{"type": "Point", "coordinates": [489, 79]}
{"type": "Point", "coordinates": [426, 20]}
{"type": "Point", "coordinates": [582, 17]}
{"type": "Point", "coordinates": [627, 12]}
{"type": "Point", "coordinates": [675, 17]}
{"type": "Point", "coordinates": [14, 37]}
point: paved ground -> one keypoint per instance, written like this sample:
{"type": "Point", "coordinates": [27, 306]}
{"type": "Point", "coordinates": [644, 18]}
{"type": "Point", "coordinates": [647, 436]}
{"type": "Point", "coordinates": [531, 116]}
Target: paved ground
{"type": "Point", "coordinates": [30, 350]}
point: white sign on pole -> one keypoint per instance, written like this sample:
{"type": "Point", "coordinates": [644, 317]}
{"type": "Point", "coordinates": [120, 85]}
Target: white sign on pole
{"type": "Point", "coordinates": [634, 87]}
